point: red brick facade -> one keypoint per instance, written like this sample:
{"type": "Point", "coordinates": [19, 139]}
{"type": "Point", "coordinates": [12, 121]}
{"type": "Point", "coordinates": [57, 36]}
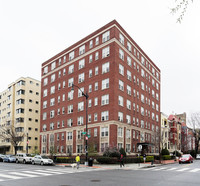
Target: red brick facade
{"type": "Point", "coordinates": [137, 82]}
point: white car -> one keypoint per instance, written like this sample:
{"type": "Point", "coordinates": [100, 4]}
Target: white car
{"type": "Point", "coordinates": [198, 156]}
{"type": "Point", "coordinates": [23, 158]}
{"type": "Point", "coordinates": [42, 160]}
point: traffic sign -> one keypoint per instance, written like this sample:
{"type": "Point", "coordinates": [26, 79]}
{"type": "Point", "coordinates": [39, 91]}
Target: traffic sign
{"type": "Point", "coordinates": [89, 136]}
{"type": "Point", "coordinates": [83, 132]}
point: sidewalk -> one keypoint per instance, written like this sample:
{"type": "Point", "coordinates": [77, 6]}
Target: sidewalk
{"type": "Point", "coordinates": [130, 166]}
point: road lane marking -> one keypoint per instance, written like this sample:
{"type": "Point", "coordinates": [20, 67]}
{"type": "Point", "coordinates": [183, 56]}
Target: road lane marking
{"type": "Point", "coordinates": [181, 170]}
{"type": "Point", "coordinates": [40, 173]}
{"type": "Point", "coordinates": [23, 174]}
{"type": "Point", "coordinates": [10, 176]}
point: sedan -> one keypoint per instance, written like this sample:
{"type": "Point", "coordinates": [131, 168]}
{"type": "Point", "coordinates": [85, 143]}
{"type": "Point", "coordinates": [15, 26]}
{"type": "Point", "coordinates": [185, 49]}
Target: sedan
{"type": "Point", "coordinates": [1, 157]}
{"type": "Point", "coordinates": [9, 158]}
{"type": "Point", "coordinates": [42, 160]}
{"type": "Point", "coordinates": [186, 158]}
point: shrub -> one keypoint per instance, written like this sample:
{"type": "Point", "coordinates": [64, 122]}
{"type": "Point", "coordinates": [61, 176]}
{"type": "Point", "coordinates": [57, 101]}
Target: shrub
{"type": "Point", "coordinates": [107, 160]}
{"type": "Point", "coordinates": [111, 152]}
{"type": "Point", "coordinates": [177, 153]}
{"type": "Point", "coordinates": [164, 152]}
{"type": "Point", "coordinates": [148, 158]}
{"type": "Point", "coordinates": [122, 151]}
{"type": "Point", "coordinates": [193, 153]}
{"type": "Point", "coordinates": [166, 157]}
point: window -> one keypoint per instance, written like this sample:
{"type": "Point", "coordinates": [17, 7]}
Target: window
{"type": "Point", "coordinates": [69, 135]}
{"type": "Point", "coordinates": [71, 69]}
{"type": "Point", "coordinates": [44, 127]}
{"type": "Point", "coordinates": [45, 93]}
{"type": "Point", "coordinates": [53, 77]}
{"type": "Point", "coordinates": [90, 58]}
{"type": "Point", "coordinates": [104, 116]}
{"type": "Point", "coordinates": [70, 109]}
{"type": "Point", "coordinates": [105, 99]}
{"type": "Point", "coordinates": [96, 55]}
{"type": "Point", "coordinates": [120, 116]}
{"type": "Point", "coordinates": [44, 117]}
{"type": "Point", "coordinates": [95, 132]}
{"type": "Point", "coordinates": [95, 101]}
{"type": "Point", "coordinates": [90, 88]}
{"type": "Point", "coordinates": [142, 85]}
{"type": "Point", "coordinates": [81, 77]}
{"type": "Point", "coordinates": [52, 101]}
{"type": "Point", "coordinates": [45, 70]}
{"type": "Point", "coordinates": [97, 41]}
{"type": "Point", "coordinates": [128, 90]}
{"type": "Point", "coordinates": [105, 67]}
{"type": "Point", "coordinates": [104, 131]}
{"type": "Point", "coordinates": [91, 43]}
{"type": "Point", "coordinates": [51, 126]}
{"type": "Point", "coordinates": [121, 54]}
{"type": "Point", "coordinates": [44, 104]}
{"type": "Point", "coordinates": [45, 81]}
{"type": "Point", "coordinates": [90, 73]}
{"type": "Point", "coordinates": [70, 82]}
{"type": "Point", "coordinates": [96, 86]}
{"type": "Point", "coordinates": [52, 89]}
{"type": "Point", "coordinates": [128, 104]}
{"type": "Point", "coordinates": [121, 39]}
{"type": "Point", "coordinates": [81, 64]}
{"type": "Point", "coordinates": [80, 94]}
{"type": "Point", "coordinates": [53, 65]}
{"type": "Point", "coordinates": [69, 122]}
{"type": "Point", "coordinates": [95, 116]}
{"type": "Point", "coordinates": [70, 95]}
{"type": "Point", "coordinates": [128, 119]}
{"type": "Point", "coordinates": [52, 113]}
{"type": "Point", "coordinates": [105, 52]}
{"type": "Point", "coordinates": [121, 69]}
{"type": "Point", "coordinates": [81, 106]}
{"type": "Point", "coordinates": [121, 101]}
{"type": "Point", "coordinates": [129, 46]}
{"type": "Point", "coordinates": [105, 36]}
{"type": "Point", "coordinates": [105, 83]}
{"type": "Point", "coordinates": [120, 132]}
{"type": "Point", "coordinates": [89, 118]}
{"type": "Point", "coordinates": [64, 59]}
{"type": "Point", "coordinates": [121, 85]}
{"type": "Point", "coordinates": [142, 73]}
{"type": "Point", "coordinates": [79, 134]}
{"type": "Point", "coordinates": [71, 55]}
{"type": "Point", "coordinates": [80, 120]}
{"type": "Point", "coordinates": [128, 133]}
{"type": "Point", "coordinates": [129, 61]}
{"type": "Point", "coordinates": [82, 50]}
{"type": "Point", "coordinates": [128, 75]}
{"type": "Point", "coordinates": [96, 70]}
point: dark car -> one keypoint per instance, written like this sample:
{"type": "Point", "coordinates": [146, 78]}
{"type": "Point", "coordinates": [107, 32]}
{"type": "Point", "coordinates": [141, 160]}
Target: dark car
{"type": "Point", "coordinates": [9, 158]}
{"type": "Point", "coordinates": [186, 158]}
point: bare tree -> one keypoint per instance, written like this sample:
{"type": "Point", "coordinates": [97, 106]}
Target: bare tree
{"type": "Point", "coordinates": [194, 121]}
{"type": "Point", "coordinates": [10, 134]}
{"type": "Point", "coordinates": [181, 6]}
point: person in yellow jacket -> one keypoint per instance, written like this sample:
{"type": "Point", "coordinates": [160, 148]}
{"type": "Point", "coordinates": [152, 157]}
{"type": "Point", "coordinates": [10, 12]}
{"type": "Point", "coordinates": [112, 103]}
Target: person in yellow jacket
{"type": "Point", "coordinates": [77, 160]}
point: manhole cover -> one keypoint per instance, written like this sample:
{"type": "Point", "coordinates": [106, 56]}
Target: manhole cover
{"type": "Point", "coordinates": [95, 180]}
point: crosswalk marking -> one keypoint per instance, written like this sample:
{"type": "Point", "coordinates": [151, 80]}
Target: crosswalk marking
{"type": "Point", "coordinates": [171, 169]}
{"type": "Point", "coordinates": [10, 176]}
{"type": "Point", "coordinates": [23, 174]}
{"type": "Point", "coordinates": [195, 170]}
{"type": "Point", "coordinates": [159, 169]}
{"type": "Point", "coordinates": [51, 172]}
{"type": "Point", "coordinates": [40, 173]}
{"type": "Point", "coordinates": [181, 170]}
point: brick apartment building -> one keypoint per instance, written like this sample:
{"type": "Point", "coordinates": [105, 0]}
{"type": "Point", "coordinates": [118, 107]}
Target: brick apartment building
{"type": "Point", "coordinates": [123, 85]}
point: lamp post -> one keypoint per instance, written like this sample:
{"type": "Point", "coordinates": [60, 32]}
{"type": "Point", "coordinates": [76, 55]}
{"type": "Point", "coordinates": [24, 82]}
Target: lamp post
{"type": "Point", "coordinates": [86, 137]}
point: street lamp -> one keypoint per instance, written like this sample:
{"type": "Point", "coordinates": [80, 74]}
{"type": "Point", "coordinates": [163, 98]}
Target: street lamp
{"type": "Point", "coordinates": [86, 138]}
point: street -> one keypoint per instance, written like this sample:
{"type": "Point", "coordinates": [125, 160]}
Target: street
{"type": "Point", "coordinates": [12, 174]}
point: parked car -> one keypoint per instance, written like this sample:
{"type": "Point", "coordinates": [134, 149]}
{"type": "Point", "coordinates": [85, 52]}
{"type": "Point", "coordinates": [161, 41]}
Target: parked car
{"type": "Point", "coordinates": [198, 156]}
{"type": "Point", "coordinates": [9, 158]}
{"type": "Point", "coordinates": [42, 160]}
{"type": "Point", "coordinates": [1, 157]}
{"type": "Point", "coordinates": [23, 158]}
{"type": "Point", "coordinates": [186, 158]}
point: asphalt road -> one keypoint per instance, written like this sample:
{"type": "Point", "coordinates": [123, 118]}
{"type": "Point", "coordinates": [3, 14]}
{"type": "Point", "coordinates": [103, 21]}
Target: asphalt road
{"type": "Point", "coordinates": [32, 175]}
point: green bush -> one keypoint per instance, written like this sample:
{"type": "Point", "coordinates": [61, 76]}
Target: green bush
{"type": "Point", "coordinates": [177, 153]}
{"type": "Point", "coordinates": [107, 160]}
{"type": "Point", "coordinates": [65, 160]}
{"type": "Point", "coordinates": [111, 152]}
{"type": "Point", "coordinates": [148, 158]}
{"type": "Point", "coordinates": [166, 157]}
{"type": "Point", "coordinates": [164, 152]}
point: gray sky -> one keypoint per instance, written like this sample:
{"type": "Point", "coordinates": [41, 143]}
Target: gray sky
{"type": "Point", "coordinates": [32, 31]}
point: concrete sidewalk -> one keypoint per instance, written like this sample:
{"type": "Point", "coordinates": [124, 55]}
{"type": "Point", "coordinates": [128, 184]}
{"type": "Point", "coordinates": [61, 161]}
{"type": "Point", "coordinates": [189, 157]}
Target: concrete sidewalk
{"type": "Point", "coordinates": [130, 166]}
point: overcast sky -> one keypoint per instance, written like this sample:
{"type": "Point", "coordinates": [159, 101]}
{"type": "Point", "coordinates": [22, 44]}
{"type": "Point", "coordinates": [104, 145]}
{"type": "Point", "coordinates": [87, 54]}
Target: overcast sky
{"type": "Point", "coordinates": [32, 31]}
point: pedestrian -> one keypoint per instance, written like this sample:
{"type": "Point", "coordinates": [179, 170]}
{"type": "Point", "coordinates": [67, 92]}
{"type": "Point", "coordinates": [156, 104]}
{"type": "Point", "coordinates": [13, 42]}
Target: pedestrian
{"type": "Point", "coordinates": [121, 160]}
{"type": "Point", "coordinates": [77, 161]}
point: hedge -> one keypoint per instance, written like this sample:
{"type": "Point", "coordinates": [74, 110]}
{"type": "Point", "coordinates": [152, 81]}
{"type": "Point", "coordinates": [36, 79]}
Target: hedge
{"type": "Point", "coordinates": [166, 157]}
{"type": "Point", "coordinates": [113, 160]}
{"type": "Point", "coordinates": [65, 160]}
